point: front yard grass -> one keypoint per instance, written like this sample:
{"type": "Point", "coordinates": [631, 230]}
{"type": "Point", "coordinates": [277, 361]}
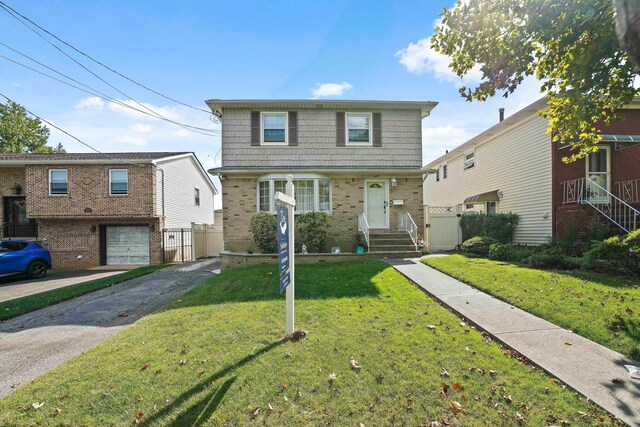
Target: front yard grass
{"type": "Point", "coordinates": [602, 308]}
{"type": "Point", "coordinates": [29, 303]}
{"type": "Point", "coordinates": [217, 357]}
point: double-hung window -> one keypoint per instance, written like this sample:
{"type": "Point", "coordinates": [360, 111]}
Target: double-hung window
{"type": "Point", "coordinates": [469, 160]}
{"type": "Point", "coordinates": [274, 129]}
{"type": "Point", "coordinates": [312, 194]}
{"type": "Point", "coordinates": [196, 196]}
{"type": "Point", "coordinates": [444, 172]}
{"type": "Point", "coordinates": [358, 129]}
{"type": "Point", "coordinates": [58, 182]}
{"type": "Point", "coordinates": [118, 182]}
{"type": "Point", "coordinates": [437, 174]}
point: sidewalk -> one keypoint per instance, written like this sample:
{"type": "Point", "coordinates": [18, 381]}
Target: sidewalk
{"type": "Point", "coordinates": [584, 365]}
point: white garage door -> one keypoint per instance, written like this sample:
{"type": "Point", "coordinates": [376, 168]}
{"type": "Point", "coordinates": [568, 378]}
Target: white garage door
{"type": "Point", "coordinates": [127, 245]}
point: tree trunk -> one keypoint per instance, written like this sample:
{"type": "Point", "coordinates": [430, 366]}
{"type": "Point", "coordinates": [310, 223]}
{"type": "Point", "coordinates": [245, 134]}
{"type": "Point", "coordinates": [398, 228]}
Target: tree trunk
{"type": "Point", "coordinates": [627, 16]}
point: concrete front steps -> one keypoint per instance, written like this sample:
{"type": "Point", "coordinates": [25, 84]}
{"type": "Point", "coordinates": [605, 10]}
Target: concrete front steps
{"type": "Point", "coordinates": [392, 244]}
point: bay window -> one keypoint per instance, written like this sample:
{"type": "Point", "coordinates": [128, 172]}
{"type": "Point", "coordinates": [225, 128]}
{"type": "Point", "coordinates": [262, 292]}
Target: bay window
{"type": "Point", "coordinates": [311, 194]}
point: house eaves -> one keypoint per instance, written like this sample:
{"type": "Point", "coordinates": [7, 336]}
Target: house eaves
{"type": "Point", "coordinates": [425, 107]}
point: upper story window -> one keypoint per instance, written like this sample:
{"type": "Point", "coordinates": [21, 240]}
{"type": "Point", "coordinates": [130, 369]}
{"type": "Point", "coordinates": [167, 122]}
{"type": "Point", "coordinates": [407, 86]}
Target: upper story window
{"type": "Point", "coordinates": [58, 182]}
{"type": "Point", "coordinates": [312, 194]}
{"type": "Point", "coordinates": [469, 160]}
{"type": "Point", "coordinates": [437, 174]}
{"type": "Point", "coordinates": [118, 182]}
{"type": "Point", "coordinates": [359, 128]}
{"type": "Point", "coordinates": [274, 129]}
{"type": "Point", "coordinates": [444, 172]}
{"type": "Point", "coordinates": [196, 196]}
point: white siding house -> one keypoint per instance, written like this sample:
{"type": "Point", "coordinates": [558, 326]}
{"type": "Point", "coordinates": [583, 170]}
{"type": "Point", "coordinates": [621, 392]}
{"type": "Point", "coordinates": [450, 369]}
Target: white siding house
{"type": "Point", "coordinates": [184, 192]}
{"type": "Point", "coordinates": [508, 168]}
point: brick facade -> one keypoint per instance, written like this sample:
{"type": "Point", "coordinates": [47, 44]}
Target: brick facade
{"type": "Point", "coordinates": [9, 177]}
{"type": "Point", "coordinates": [89, 188]}
{"type": "Point", "coordinates": [625, 165]}
{"type": "Point", "coordinates": [239, 201]}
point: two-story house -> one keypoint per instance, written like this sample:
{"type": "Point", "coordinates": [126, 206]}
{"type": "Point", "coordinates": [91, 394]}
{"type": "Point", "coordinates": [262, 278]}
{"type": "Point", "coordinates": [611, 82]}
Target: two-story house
{"type": "Point", "coordinates": [352, 159]}
{"type": "Point", "coordinates": [515, 167]}
{"type": "Point", "coordinates": [93, 209]}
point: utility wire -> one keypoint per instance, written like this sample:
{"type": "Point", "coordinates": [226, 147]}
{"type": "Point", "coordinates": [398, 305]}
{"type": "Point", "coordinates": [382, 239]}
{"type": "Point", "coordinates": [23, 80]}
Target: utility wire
{"type": "Point", "coordinates": [51, 124]}
{"type": "Point", "coordinates": [158, 115]}
{"type": "Point", "coordinates": [95, 92]}
{"type": "Point", "coordinates": [5, 7]}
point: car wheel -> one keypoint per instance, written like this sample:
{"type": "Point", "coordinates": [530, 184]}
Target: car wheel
{"type": "Point", "coordinates": [37, 270]}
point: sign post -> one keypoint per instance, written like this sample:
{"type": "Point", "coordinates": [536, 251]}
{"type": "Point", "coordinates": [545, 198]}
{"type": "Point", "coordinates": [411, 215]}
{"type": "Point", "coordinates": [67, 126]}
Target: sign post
{"type": "Point", "coordinates": [286, 248]}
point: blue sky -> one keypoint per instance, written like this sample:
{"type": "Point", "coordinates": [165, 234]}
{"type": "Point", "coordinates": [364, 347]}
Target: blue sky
{"type": "Point", "coordinates": [196, 50]}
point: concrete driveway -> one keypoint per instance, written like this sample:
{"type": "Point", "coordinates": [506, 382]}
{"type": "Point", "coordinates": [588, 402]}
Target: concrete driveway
{"type": "Point", "coordinates": [37, 342]}
{"type": "Point", "coordinates": [16, 287]}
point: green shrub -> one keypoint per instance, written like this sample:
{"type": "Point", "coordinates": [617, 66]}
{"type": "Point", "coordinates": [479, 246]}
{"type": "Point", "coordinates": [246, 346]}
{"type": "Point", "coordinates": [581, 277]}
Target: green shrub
{"type": "Point", "coordinates": [478, 245]}
{"type": "Point", "coordinates": [502, 252]}
{"type": "Point", "coordinates": [500, 226]}
{"type": "Point", "coordinates": [263, 227]}
{"type": "Point", "coordinates": [311, 230]}
{"type": "Point", "coordinates": [551, 261]}
{"type": "Point", "coordinates": [619, 255]}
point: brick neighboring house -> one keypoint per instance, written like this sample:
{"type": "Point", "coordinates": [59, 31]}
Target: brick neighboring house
{"type": "Point", "coordinates": [347, 157]}
{"type": "Point", "coordinates": [514, 167]}
{"type": "Point", "coordinates": [93, 209]}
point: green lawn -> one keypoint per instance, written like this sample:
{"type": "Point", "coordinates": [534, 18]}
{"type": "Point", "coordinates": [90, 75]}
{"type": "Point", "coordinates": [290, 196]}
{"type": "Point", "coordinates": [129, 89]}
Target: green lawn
{"type": "Point", "coordinates": [602, 308]}
{"type": "Point", "coordinates": [18, 306]}
{"type": "Point", "coordinates": [217, 357]}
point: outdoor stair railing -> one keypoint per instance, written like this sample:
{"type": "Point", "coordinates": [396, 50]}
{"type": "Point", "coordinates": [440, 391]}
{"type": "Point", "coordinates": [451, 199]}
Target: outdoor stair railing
{"type": "Point", "coordinates": [363, 227]}
{"type": "Point", "coordinates": [407, 224]}
{"type": "Point", "coordinates": [629, 190]}
{"type": "Point", "coordinates": [586, 191]}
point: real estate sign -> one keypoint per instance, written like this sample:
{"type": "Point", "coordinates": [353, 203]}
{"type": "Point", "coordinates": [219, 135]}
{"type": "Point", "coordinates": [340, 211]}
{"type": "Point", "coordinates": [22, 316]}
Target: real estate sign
{"type": "Point", "coordinates": [283, 246]}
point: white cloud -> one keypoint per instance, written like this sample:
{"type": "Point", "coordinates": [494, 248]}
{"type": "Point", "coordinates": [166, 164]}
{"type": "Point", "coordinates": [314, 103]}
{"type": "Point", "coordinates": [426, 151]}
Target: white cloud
{"type": "Point", "coordinates": [420, 58]}
{"type": "Point", "coordinates": [437, 140]}
{"type": "Point", "coordinates": [141, 128]}
{"type": "Point", "coordinates": [330, 89]}
{"type": "Point", "coordinates": [143, 110]}
{"type": "Point", "coordinates": [91, 102]}
{"type": "Point", "coordinates": [181, 133]}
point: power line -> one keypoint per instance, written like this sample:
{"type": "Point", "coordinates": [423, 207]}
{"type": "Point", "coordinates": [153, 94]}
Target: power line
{"type": "Point", "coordinates": [51, 124]}
{"type": "Point", "coordinates": [154, 113]}
{"type": "Point", "coordinates": [5, 7]}
{"type": "Point", "coordinates": [97, 93]}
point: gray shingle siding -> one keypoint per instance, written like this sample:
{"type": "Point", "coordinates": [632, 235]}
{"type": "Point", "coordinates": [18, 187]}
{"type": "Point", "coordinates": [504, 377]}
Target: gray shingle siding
{"type": "Point", "coordinates": [401, 142]}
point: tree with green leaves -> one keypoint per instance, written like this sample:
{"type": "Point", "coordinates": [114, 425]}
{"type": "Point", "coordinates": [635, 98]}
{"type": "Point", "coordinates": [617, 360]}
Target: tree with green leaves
{"type": "Point", "coordinates": [570, 46]}
{"type": "Point", "coordinates": [20, 133]}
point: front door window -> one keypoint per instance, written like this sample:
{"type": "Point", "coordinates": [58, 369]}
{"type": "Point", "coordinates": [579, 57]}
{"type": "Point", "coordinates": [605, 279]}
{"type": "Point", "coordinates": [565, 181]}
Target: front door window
{"type": "Point", "coordinates": [598, 174]}
{"type": "Point", "coordinates": [377, 204]}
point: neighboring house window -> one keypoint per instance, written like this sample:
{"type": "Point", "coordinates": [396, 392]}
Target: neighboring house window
{"type": "Point", "coordinates": [310, 194]}
{"type": "Point", "coordinates": [58, 182]}
{"type": "Point", "coordinates": [358, 129]}
{"type": "Point", "coordinates": [444, 172]}
{"type": "Point", "coordinates": [469, 160]}
{"type": "Point", "coordinates": [469, 207]}
{"type": "Point", "coordinates": [196, 195]}
{"type": "Point", "coordinates": [437, 174]}
{"type": "Point", "coordinates": [118, 182]}
{"type": "Point", "coordinates": [274, 128]}
{"type": "Point", "coordinates": [492, 207]}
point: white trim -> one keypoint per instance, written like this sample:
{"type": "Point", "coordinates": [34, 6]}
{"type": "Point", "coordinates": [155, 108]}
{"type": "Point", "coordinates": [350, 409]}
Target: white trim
{"type": "Point", "coordinates": [110, 182]}
{"type": "Point", "coordinates": [286, 127]}
{"type": "Point", "coordinates": [346, 128]}
{"type": "Point", "coordinates": [607, 148]}
{"type": "Point", "coordinates": [49, 183]}
{"type": "Point", "coordinates": [366, 189]}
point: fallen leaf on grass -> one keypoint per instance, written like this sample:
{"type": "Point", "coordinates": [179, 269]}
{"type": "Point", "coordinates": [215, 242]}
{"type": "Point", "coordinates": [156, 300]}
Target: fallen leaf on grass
{"type": "Point", "coordinates": [443, 395]}
{"type": "Point", "coordinates": [354, 364]}
{"type": "Point", "coordinates": [332, 378]}
{"type": "Point", "coordinates": [457, 407]}
{"type": "Point", "coordinates": [57, 411]}
{"type": "Point", "coordinates": [444, 373]}
{"type": "Point", "coordinates": [409, 324]}
{"type": "Point", "coordinates": [508, 398]}
{"type": "Point", "coordinates": [139, 415]}
{"type": "Point", "coordinates": [520, 418]}
{"type": "Point", "coordinates": [37, 405]}
{"type": "Point", "coordinates": [271, 408]}
{"type": "Point", "coordinates": [431, 326]}
{"type": "Point", "coordinates": [254, 412]}
{"type": "Point", "coordinates": [457, 386]}
{"type": "Point", "coordinates": [145, 366]}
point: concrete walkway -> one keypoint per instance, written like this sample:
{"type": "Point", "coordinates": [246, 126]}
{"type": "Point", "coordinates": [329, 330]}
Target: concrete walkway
{"type": "Point", "coordinates": [584, 365]}
{"type": "Point", "coordinates": [37, 342]}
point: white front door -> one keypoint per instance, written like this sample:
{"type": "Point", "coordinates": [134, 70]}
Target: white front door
{"type": "Point", "coordinates": [598, 171]}
{"type": "Point", "coordinates": [377, 204]}
{"type": "Point", "coordinates": [127, 245]}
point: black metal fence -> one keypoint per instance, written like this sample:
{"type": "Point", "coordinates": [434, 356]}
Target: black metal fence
{"type": "Point", "coordinates": [177, 245]}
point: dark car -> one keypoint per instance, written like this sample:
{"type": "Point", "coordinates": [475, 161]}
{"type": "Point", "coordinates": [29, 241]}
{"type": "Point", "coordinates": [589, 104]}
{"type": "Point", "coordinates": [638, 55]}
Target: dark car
{"type": "Point", "coordinates": [23, 257]}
